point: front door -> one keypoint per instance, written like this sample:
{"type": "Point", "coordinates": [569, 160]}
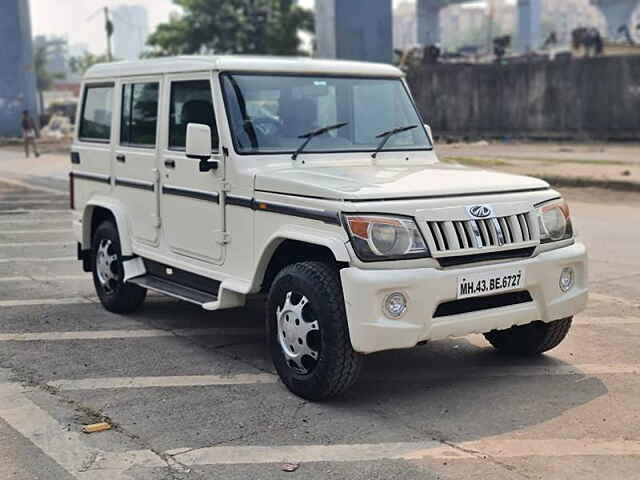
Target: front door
{"type": "Point", "coordinates": [190, 200]}
{"type": "Point", "coordinates": [135, 164]}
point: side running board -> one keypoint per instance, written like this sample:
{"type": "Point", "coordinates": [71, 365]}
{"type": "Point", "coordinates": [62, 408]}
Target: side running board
{"type": "Point", "coordinates": [174, 289]}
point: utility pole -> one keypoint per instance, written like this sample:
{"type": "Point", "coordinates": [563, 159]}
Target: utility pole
{"type": "Point", "coordinates": [108, 25]}
{"type": "Point", "coordinates": [490, 18]}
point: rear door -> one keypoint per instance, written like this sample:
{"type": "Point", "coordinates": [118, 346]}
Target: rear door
{"type": "Point", "coordinates": [190, 201]}
{"type": "Point", "coordinates": [135, 163]}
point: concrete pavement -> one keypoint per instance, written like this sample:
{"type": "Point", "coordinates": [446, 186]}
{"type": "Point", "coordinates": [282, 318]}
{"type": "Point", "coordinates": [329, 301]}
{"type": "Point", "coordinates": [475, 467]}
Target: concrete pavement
{"type": "Point", "coordinates": [193, 394]}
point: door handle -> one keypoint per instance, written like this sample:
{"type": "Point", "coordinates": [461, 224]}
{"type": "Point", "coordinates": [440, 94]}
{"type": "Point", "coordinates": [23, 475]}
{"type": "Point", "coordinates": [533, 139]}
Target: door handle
{"type": "Point", "coordinates": [121, 158]}
{"type": "Point", "coordinates": [170, 163]}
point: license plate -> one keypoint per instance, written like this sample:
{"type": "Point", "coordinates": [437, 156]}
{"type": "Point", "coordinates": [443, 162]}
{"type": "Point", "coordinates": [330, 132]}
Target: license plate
{"type": "Point", "coordinates": [489, 283]}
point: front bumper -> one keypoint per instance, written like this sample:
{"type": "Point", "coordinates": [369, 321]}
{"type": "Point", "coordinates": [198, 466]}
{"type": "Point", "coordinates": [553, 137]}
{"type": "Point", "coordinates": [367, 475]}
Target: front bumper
{"type": "Point", "coordinates": [426, 288]}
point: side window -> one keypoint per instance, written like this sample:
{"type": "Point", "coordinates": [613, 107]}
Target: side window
{"type": "Point", "coordinates": [95, 123]}
{"type": "Point", "coordinates": [191, 102]}
{"type": "Point", "coordinates": [139, 114]}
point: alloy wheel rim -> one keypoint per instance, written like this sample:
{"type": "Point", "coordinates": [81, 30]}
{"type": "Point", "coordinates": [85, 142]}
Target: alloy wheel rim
{"type": "Point", "coordinates": [106, 266]}
{"type": "Point", "coordinates": [298, 333]}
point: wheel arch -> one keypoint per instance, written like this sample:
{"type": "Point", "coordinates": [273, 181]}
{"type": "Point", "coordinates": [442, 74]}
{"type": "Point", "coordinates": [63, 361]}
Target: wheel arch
{"type": "Point", "coordinates": [98, 210]}
{"type": "Point", "coordinates": [291, 246]}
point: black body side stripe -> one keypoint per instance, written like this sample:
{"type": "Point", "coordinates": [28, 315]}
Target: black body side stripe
{"type": "Point", "coordinates": [326, 216]}
{"type": "Point", "coordinates": [198, 195]}
{"type": "Point", "coordinates": [135, 184]}
{"type": "Point", "coordinates": [92, 177]}
{"type": "Point", "coordinates": [240, 201]}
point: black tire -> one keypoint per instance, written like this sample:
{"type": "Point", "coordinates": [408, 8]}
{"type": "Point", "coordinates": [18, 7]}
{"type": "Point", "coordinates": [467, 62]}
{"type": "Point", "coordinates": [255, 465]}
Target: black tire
{"type": "Point", "coordinates": [116, 295]}
{"type": "Point", "coordinates": [531, 339]}
{"type": "Point", "coordinates": [336, 366]}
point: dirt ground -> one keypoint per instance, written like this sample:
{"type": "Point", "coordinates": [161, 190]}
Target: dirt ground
{"type": "Point", "coordinates": [601, 162]}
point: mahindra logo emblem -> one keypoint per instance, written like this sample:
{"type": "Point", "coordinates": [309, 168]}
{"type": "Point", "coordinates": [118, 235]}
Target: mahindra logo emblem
{"type": "Point", "coordinates": [480, 211]}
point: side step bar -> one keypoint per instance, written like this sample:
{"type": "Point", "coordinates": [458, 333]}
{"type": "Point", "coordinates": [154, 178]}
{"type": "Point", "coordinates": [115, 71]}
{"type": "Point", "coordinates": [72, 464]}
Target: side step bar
{"type": "Point", "coordinates": [173, 289]}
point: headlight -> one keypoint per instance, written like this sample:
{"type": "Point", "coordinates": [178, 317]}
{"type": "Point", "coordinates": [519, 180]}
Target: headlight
{"type": "Point", "coordinates": [385, 238]}
{"type": "Point", "coordinates": [555, 221]}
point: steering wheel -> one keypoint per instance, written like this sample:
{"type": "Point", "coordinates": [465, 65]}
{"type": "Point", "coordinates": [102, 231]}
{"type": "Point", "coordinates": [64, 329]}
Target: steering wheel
{"type": "Point", "coordinates": [266, 126]}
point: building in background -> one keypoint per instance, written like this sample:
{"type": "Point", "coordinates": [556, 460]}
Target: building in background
{"type": "Point", "coordinates": [405, 25]}
{"type": "Point", "coordinates": [130, 31]}
{"type": "Point", "coordinates": [17, 71]}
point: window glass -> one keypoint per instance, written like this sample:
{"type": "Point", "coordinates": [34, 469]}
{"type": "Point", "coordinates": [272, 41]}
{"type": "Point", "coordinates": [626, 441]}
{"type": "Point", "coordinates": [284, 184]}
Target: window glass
{"type": "Point", "coordinates": [269, 113]}
{"type": "Point", "coordinates": [191, 102]}
{"type": "Point", "coordinates": [96, 114]}
{"type": "Point", "coordinates": [139, 114]}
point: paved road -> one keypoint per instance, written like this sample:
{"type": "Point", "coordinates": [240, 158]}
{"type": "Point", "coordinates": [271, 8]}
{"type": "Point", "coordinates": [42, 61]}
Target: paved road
{"type": "Point", "coordinates": [192, 395]}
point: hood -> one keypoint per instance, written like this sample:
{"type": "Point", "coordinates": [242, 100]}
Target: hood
{"type": "Point", "coordinates": [368, 182]}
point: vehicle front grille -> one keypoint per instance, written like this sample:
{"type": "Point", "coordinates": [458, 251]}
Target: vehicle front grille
{"type": "Point", "coordinates": [467, 305]}
{"type": "Point", "coordinates": [469, 237]}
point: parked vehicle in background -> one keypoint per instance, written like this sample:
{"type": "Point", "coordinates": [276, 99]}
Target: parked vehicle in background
{"type": "Point", "coordinates": [315, 182]}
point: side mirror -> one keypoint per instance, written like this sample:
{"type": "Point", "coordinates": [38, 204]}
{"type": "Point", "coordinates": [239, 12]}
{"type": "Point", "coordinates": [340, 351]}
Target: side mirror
{"type": "Point", "coordinates": [428, 128]}
{"type": "Point", "coordinates": [199, 146]}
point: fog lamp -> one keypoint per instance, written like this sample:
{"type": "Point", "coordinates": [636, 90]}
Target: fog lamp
{"type": "Point", "coordinates": [566, 279]}
{"type": "Point", "coordinates": [395, 305]}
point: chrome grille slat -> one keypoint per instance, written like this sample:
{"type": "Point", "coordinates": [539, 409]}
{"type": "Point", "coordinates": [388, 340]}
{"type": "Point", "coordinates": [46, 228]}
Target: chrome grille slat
{"type": "Point", "coordinates": [505, 229]}
{"type": "Point", "coordinates": [485, 233]}
{"type": "Point", "coordinates": [466, 236]}
{"type": "Point", "coordinates": [475, 230]}
{"type": "Point", "coordinates": [451, 235]}
{"type": "Point", "coordinates": [463, 234]}
{"type": "Point", "coordinates": [496, 230]}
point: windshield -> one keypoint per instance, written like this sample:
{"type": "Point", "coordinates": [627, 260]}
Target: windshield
{"type": "Point", "coordinates": [269, 113]}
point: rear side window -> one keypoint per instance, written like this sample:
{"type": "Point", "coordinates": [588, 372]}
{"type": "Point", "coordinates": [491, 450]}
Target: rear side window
{"type": "Point", "coordinates": [95, 123]}
{"type": "Point", "coordinates": [190, 103]}
{"type": "Point", "coordinates": [139, 114]}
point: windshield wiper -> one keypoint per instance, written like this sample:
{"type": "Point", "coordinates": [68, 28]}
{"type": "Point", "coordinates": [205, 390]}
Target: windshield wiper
{"type": "Point", "coordinates": [388, 134]}
{"type": "Point", "coordinates": [315, 133]}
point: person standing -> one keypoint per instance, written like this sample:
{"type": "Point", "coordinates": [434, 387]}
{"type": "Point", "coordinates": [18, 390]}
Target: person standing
{"type": "Point", "coordinates": [29, 134]}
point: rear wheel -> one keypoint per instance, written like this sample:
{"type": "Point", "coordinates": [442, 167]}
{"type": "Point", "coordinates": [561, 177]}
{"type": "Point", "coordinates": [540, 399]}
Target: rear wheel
{"type": "Point", "coordinates": [108, 273]}
{"type": "Point", "coordinates": [308, 332]}
{"type": "Point", "coordinates": [533, 338]}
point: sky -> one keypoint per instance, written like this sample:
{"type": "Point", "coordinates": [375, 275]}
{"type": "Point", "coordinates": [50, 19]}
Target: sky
{"type": "Point", "coordinates": [70, 18]}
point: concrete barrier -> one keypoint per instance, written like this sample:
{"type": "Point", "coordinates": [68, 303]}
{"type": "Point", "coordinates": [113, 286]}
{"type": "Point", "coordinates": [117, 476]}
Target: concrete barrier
{"type": "Point", "coordinates": [595, 98]}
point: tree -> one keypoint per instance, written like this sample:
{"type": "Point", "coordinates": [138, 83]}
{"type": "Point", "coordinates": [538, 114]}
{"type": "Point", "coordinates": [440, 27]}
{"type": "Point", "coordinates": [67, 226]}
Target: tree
{"type": "Point", "coordinates": [44, 78]}
{"type": "Point", "coordinates": [86, 61]}
{"type": "Point", "coordinates": [233, 26]}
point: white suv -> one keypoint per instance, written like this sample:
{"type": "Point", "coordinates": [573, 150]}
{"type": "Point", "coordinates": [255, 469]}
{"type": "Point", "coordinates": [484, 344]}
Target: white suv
{"type": "Point", "coordinates": [314, 182]}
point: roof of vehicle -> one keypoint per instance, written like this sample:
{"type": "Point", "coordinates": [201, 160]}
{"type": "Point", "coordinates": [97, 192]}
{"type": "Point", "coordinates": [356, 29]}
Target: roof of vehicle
{"type": "Point", "coordinates": [240, 63]}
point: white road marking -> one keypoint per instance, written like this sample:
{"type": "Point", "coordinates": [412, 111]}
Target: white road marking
{"type": "Point", "coordinates": [35, 244]}
{"type": "Point", "coordinates": [86, 276]}
{"type": "Point", "coordinates": [84, 462]}
{"type": "Point", "coordinates": [45, 301]}
{"type": "Point", "coordinates": [138, 333]}
{"type": "Point", "coordinates": [39, 232]}
{"type": "Point", "coordinates": [38, 221]}
{"type": "Point", "coordinates": [66, 447]}
{"type": "Point", "coordinates": [244, 379]}
{"type": "Point", "coordinates": [37, 260]}
{"type": "Point", "coordinates": [29, 186]}
{"type": "Point", "coordinates": [36, 210]}
{"type": "Point", "coordinates": [506, 448]}
{"type": "Point", "coordinates": [163, 382]}
{"type": "Point", "coordinates": [6, 201]}
{"type": "Point", "coordinates": [509, 448]}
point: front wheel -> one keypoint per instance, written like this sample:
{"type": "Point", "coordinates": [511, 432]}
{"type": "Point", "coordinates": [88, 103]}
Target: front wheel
{"type": "Point", "coordinates": [108, 273]}
{"type": "Point", "coordinates": [308, 332]}
{"type": "Point", "coordinates": [533, 338]}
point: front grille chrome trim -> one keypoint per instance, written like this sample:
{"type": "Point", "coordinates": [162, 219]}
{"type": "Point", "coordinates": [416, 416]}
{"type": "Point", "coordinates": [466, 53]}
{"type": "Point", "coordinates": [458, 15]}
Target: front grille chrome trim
{"type": "Point", "coordinates": [448, 238]}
